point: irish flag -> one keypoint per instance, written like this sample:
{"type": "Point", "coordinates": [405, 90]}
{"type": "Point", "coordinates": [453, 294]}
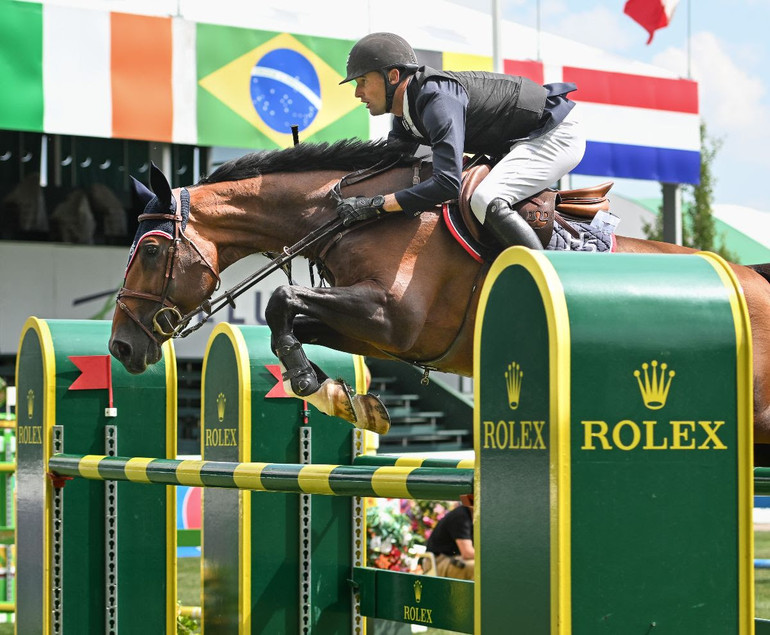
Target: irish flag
{"type": "Point", "coordinates": [96, 73]}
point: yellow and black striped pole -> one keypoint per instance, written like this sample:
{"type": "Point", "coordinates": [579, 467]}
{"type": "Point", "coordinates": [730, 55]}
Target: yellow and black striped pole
{"type": "Point", "coordinates": [413, 461]}
{"type": "Point", "coordinates": [388, 481]}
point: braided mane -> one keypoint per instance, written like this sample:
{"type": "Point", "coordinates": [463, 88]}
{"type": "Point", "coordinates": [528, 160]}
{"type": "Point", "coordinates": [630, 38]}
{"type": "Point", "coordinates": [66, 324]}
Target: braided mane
{"type": "Point", "coordinates": [348, 154]}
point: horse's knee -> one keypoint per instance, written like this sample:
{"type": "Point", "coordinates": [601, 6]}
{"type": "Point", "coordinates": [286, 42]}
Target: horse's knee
{"type": "Point", "coordinates": [278, 304]}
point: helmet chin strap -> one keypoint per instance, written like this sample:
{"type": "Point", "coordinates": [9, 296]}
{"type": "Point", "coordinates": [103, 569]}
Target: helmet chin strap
{"type": "Point", "coordinates": [390, 89]}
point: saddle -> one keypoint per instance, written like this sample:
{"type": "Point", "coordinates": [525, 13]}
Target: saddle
{"type": "Point", "coordinates": [540, 210]}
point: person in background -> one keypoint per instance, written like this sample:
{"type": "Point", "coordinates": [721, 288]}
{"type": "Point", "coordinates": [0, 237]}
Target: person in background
{"type": "Point", "coordinates": [452, 543]}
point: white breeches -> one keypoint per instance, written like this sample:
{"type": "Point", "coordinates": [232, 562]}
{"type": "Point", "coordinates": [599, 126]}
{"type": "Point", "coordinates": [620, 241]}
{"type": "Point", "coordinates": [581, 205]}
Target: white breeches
{"type": "Point", "coordinates": [532, 165]}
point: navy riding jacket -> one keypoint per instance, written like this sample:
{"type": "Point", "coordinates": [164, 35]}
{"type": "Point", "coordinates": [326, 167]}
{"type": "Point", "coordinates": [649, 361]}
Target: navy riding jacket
{"type": "Point", "coordinates": [455, 112]}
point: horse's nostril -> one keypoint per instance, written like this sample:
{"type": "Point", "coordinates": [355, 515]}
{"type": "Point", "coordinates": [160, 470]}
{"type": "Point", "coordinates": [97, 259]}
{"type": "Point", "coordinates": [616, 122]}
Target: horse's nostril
{"type": "Point", "coordinates": [120, 349]}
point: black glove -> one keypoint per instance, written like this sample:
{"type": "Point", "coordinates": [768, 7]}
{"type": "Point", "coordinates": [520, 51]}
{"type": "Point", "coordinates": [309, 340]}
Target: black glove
{"type": "Point", "coordinates": [358, 208]}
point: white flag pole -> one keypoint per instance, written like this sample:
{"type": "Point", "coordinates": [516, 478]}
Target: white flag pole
{"type": "Point", "coordinates": [497, 20]}
{"type": "Point", "coordinates": [689, 39]}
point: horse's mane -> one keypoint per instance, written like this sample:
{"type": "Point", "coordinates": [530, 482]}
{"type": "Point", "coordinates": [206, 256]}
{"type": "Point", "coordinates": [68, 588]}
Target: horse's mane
{"type": "Point", "coordinates": [348, 154]}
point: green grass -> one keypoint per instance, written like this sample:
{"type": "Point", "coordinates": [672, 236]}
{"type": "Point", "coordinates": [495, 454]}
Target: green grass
{"type": "Point", "coordinates": [762, 576]}
{"type": "Point", "coordinates": [189, 581]}
{"type": "Point", "coordinates": [188, 587]}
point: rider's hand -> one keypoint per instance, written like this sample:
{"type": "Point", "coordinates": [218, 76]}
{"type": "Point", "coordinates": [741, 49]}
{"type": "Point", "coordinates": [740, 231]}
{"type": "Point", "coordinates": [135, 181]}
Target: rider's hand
{"type": "Point", "coordinates": [358, 208]}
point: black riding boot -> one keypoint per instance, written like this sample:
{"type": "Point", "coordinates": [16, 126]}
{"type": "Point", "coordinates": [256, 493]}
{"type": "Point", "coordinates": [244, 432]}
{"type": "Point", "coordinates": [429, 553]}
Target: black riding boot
{"type": "Point", "coordinates": [508, 227]}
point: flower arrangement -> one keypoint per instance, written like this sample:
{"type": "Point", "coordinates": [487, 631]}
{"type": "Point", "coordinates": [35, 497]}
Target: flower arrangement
{"type": "Point", "coordinates": [397, 531]}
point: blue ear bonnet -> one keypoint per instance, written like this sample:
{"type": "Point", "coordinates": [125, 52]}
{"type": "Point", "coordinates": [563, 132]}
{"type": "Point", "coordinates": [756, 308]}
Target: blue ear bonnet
{"type": "Point", "coordinates": [157, 226]}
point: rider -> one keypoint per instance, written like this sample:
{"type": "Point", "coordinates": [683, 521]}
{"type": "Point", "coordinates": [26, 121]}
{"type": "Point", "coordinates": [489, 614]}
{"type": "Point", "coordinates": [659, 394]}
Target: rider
{"type": "Point", "coordinates": [531, 127]}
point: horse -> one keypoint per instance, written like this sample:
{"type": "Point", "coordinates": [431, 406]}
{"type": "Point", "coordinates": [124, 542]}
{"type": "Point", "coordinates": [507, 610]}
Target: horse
{"type": "Point", "coordinates": [401, 286]}
{"type": "Point", "coordinates": [73, 219]}
{"type": "Point", "coordinates": [24, 209]}
{"type": "Point", "coordinates": [109, 211]}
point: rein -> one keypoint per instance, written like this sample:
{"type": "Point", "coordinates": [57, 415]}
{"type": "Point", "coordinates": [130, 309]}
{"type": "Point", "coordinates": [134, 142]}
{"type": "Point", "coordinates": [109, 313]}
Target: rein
{"type": "Point", "coordinates": [367, 173]}
{"type": "Point", "coordinates": [354, 177]}
{"type": "Point", "coordinates": [211, 306]}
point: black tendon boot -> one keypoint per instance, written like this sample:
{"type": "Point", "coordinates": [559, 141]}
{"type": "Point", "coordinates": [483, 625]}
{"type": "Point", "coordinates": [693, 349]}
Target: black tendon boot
{"type": "Point", "coordinates": [508, 227]}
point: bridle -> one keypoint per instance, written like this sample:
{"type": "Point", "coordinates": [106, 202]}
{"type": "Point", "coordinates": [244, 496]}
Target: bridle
{"type": "Point", "coordinates": [168, 307]}
{"type": "Point", "coordinates": [167, 304]}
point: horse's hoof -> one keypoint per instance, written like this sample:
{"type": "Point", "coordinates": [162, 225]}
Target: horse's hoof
{"type": "Point", "coordinates": [371, 413]}
{"type": "Point", "coordinates": [337, 399]}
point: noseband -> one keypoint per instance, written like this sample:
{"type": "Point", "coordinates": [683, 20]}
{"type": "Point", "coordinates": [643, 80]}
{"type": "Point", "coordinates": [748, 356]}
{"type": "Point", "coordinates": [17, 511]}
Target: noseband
{"type": "Point", "coordinates": [167, 304]}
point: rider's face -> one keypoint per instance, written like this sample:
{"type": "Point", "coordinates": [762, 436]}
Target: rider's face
{"type": "Point", "coordinates": [370, 89]}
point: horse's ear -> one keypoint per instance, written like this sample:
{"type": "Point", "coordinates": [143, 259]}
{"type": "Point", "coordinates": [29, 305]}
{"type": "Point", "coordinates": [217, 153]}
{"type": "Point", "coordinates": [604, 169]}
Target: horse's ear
{"type": "Point", "coordinates": [140, 196]}
{"type": "Point", "coordinates": [160, 186]}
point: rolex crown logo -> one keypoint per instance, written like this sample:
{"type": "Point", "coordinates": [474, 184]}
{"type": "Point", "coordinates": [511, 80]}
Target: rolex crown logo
{"type": "Point", "coordinates": [221, 402]}
{"type": "Point", "coordinates": [513, 378]}
{"type": "Point", "coordinates": [417, 591]}
{"type": "Point", "coordinates": [654, 383]}
{"type": "Point", "coordinates": [30, 403]}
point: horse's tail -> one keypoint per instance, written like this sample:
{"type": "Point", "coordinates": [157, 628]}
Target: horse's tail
{"type": "Point", "coordinates": [763, 270]}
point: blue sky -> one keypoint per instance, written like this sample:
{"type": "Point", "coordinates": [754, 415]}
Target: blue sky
{"type": "Point", "coordinates": [729, 57]}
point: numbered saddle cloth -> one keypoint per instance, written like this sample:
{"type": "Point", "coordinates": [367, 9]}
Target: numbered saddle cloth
{"type": "Point", "coordinates": [598, 235]}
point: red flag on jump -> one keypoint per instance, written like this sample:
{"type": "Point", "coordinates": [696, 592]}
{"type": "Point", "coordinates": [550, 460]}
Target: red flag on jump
{"type": "Point", "coordinates": [651, 14]}
{"type": "Point", "coordinates": [96, 373]}
{"type": "Point", "coordinates": [277, 391]}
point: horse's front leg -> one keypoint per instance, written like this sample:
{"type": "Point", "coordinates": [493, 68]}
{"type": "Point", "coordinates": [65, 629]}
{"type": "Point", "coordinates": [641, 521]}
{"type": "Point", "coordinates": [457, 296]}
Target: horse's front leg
{"type": "Point", "coordinates": [303, 378]}
{"type": "Point", "coordinates": [298, 371]}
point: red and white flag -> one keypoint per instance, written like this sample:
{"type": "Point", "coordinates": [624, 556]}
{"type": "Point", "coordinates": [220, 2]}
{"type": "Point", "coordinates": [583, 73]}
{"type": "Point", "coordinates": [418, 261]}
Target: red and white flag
{"type": "Point", "coordinates": [651, 14]}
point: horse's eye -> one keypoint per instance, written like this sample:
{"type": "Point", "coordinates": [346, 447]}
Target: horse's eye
{"type": "Point", "coordinates": [151, 249]}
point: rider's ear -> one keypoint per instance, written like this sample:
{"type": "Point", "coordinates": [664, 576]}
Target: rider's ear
{"type": "Point", "coordinates": [160, 186]}
{"type": "Point", "coordinates": [394, 75]}
{"type": "Point", "coordinates": [140, 196]}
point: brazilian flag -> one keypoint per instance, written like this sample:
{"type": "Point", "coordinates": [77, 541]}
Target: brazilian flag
{"type": "Point", "coordinates": [254, 85]}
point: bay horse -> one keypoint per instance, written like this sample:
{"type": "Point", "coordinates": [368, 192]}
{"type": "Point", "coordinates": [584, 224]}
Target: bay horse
{"type": "Point", "coordinates": [402, 286]}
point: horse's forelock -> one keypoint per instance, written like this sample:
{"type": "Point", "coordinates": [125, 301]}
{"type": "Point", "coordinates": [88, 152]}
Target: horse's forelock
{"type": "Point", "coordinates": [348, 154]}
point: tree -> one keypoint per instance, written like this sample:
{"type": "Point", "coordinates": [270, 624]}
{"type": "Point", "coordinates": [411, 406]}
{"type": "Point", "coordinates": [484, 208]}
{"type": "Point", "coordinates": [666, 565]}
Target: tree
{"type": "Point", "coordinates": [698, 226]}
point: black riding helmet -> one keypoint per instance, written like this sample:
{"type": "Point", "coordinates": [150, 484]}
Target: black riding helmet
{"type": "Point", "coordinates": [381, 52]}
